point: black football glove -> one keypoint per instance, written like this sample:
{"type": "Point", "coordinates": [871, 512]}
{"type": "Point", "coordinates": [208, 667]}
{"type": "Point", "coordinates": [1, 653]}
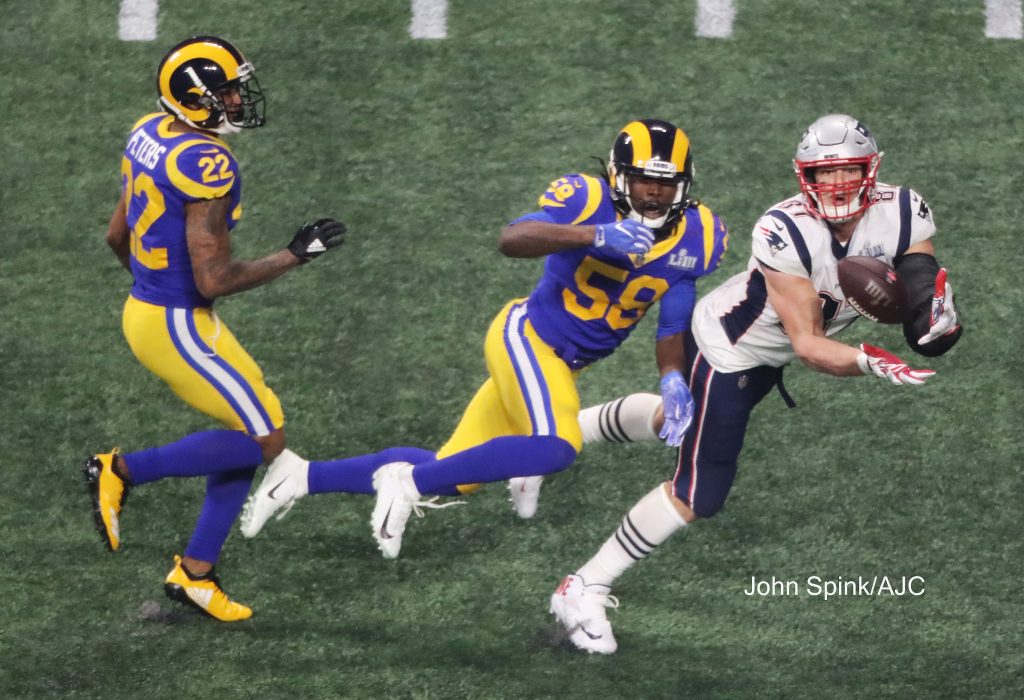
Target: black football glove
{"type": "Point", "coordinates": [314, 239]}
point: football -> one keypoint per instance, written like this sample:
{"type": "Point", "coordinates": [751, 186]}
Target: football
{"type": "Point", "coordinates": [873, 289]}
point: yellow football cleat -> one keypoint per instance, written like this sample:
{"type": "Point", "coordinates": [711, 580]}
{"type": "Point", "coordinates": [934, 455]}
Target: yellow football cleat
{"type": "Point", "coordinates": [204, 593]}
{"type": "Point", "coordinates": [108, 491]}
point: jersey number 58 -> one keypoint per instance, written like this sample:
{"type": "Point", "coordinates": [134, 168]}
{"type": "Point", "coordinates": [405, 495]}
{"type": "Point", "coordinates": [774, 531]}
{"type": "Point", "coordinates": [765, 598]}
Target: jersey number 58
{"type": "Point", "coordinates": [618, 313]}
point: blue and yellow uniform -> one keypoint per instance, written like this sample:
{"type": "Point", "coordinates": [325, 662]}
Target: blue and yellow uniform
{"type": "Point", "coordinates": [171, 165]}
{"type": "Point", "coordinates": [170, 326]}
{"type": "Point", "coordinates": [587, 302]}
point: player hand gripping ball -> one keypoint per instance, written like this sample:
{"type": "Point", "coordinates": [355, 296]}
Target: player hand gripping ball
{"type": "Point", "coordinates": [677, 404]}
{"type": "Point", "coordinates": [627, 237]}
{"type": "Point", "coordinates": [885, 365]}
{"type": "Point", "coordinates": [944, 320]}
{"type": "Point", "coordinates": [314, 239]}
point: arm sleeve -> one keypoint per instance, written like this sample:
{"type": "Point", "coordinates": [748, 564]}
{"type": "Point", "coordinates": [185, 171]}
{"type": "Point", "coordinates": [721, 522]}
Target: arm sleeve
{"type": "Point", "coordinates": [676, 308]}
{"type": "Point", "coordinates": [918, 271]}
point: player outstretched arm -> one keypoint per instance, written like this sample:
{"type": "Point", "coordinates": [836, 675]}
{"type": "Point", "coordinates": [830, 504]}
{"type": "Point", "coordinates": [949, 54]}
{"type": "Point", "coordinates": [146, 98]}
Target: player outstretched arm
{"type": "Point", "coordinates": [534, 238]}
{"type": "Point", "coordinates": [218, 274]}
{"type": "Point", "coordinates": [799, 308]}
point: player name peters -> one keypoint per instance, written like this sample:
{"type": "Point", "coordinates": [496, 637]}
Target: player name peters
{"type": "Point", "coordinates": [819, 587]}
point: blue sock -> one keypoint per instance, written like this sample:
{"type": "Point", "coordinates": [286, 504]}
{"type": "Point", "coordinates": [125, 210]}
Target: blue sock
{"type": "Point", "coordinates": [225, 495]}
{"type": "Point", "coordinates": [355, 474]}
{"type": "Point", "coordinates": [198, 454]}
{"type": "Point", "coordinates": [495, 460]}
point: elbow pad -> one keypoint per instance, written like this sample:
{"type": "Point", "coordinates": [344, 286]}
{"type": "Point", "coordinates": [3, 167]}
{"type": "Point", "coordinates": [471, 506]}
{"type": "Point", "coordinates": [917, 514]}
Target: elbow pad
{"type": "Point", "coordinates": [918, 272]}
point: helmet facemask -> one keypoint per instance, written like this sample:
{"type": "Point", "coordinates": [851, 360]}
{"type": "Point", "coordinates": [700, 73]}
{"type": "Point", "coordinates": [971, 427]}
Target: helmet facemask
{"type": "Point", "coordinates": [637, 210]}
{"type": "Point", "coordinates": [839, 202]}
{"type": "Point", "coordinates": [252, 110]}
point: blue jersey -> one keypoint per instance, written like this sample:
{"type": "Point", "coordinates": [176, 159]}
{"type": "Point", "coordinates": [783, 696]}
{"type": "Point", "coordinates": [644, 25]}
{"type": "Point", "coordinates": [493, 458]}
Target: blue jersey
{"type": "Point", "coordinates": [588, 300]}
{"type": "Point", "coordinates": [161, 172]}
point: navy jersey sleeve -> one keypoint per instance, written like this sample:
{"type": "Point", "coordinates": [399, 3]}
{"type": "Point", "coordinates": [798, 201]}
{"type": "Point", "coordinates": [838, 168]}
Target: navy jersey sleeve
{"type": "Point", "coordinates": [676, 308]}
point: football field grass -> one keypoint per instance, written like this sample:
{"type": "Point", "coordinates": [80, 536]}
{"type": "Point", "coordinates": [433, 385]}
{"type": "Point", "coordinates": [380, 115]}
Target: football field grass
{"type": "Point", "coordinates": [425, 149]}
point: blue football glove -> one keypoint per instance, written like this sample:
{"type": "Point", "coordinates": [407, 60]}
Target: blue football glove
{"type": "Point", "coordinates": [677, 404]}
{"type": "Point", "coordinates": [627, 237]}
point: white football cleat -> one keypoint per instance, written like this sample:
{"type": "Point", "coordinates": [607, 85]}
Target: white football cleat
{"type": "Point", "coordinates": [582, 614]}
{"type": "Point", "coordinates": [286, 481]}
{"type": "Point", "coordinates": [525, 492]}
{"type": "Point", "coordinates": [396, 497]}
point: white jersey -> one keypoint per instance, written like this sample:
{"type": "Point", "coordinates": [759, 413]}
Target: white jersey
{"type": "Point", "coordinates": [736, 327]}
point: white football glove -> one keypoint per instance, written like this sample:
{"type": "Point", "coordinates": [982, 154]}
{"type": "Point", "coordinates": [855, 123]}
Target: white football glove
{"type": "Point", "coordinates": [944, 320]}
{"type": "Point", "coordinates": [885, 365]}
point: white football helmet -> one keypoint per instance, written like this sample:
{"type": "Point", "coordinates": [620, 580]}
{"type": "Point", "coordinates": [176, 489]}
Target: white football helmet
{"type": "Point", "coordinates": [833, 141]}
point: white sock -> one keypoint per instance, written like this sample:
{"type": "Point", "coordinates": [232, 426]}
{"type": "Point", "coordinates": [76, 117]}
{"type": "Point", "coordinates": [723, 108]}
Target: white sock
{"type": "Point", "coordinates": [627, 419]}
{"type": "Point", "coordinates": [649, 523]}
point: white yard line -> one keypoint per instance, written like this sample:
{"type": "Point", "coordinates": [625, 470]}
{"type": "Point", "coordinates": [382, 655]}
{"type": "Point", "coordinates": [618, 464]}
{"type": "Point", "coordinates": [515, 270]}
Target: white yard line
{"type": "Point", "coordinates": [714, 18]}
{"type": "Point", "coordinates": [1002, 19]}
{"type": "Point", "coordinates": [429, 19]}
{"type": "Point", "coordinates": [137, 20]}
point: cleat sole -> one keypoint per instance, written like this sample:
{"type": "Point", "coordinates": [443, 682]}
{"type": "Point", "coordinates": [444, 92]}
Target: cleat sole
{"type": "Point", "coordinates": [91, 473]}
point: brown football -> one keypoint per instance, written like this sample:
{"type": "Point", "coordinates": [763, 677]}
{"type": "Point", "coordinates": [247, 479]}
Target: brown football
{"type": "Point", "coordinates": [873, 288]}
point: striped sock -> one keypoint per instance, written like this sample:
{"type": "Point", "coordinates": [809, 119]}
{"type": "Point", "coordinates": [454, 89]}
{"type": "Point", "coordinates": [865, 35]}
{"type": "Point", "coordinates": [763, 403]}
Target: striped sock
{"type": "Point", "coordinates": [649, 523]}
{"type": "Point", "coordinates": [626, 419]}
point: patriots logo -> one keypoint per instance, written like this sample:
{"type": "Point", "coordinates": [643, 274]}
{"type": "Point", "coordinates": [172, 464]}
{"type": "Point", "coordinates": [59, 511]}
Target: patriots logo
{"type": "Point", "coordinates": [775, 241]}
